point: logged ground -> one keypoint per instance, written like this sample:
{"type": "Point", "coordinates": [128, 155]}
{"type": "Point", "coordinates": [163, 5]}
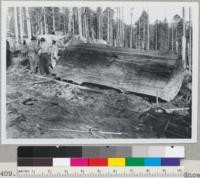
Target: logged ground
{"type": "Point", "coordinates": [56, 105]}
{"type": "Point", "coordinates": [42, 107]}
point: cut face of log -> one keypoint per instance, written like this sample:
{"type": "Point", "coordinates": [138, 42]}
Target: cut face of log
{"type": "Point", "coordinates": [124, 69]}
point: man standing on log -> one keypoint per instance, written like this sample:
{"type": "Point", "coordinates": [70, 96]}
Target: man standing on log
{"type": "Point", "coordinates": [44, 61]}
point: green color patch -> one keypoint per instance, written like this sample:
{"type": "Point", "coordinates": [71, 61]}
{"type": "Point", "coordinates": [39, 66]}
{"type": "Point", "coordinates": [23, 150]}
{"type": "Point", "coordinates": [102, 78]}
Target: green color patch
{"type": "Point", "coordinates": [134, 161]}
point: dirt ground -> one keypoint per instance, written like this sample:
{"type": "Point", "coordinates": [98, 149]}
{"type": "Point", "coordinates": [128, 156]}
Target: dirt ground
{"type": "Point", "coordinates": [42, 107]}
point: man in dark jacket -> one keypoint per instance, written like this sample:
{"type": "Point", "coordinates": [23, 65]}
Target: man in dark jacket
{"type": "Point", "coordinates": [44, 52]}
{"type": "Point", "coordinates": [8, 55]}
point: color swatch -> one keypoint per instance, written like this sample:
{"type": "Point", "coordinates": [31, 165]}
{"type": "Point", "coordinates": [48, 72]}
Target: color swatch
{"type": "Point", "coordinates": [170, 161]}
{"type": "Point", "coordinates": [152, 162]}
{"type": "Point", "coordinates": [107, 162]}
{"type": "Point", "coordinates": [61, 162]}
{"type": "Point", "coordinates": [72, 156]}
{"type": "Point", "coordinates": [79, 162]}
{"type": "Point", "coordinates": [98, 162]}
{"type": "Point", "coordinates": [134, 161]}
{"type": "Point", "coordinates": [117, 162]}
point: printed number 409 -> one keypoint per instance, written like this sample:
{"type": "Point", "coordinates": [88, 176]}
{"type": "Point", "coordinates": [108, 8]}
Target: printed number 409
{"type": "Point", "coordinates": [6, 173]}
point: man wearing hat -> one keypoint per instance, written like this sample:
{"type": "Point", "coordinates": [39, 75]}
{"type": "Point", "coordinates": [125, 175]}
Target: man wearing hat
{"type": "Point", "coordinates": [32, 54]}
{"type": "Point", "coordinates": [44, 56]}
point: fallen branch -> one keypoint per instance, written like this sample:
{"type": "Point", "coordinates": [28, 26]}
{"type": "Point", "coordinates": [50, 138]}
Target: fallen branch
{"type": "Point", "coordinates": [86, 131]}
{"type": "Point", "coordinates": [177, 109]}
{"type": "Point", "coordinates": [170, 110]}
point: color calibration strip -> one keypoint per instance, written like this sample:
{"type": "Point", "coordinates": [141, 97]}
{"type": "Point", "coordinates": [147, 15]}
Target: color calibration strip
{"type": "Point", "coordinates": [107, 162]}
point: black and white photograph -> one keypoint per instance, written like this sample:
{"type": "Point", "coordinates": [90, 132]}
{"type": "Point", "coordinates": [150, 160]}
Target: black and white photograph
{"type": "Point", "coordinates": [109, 72]}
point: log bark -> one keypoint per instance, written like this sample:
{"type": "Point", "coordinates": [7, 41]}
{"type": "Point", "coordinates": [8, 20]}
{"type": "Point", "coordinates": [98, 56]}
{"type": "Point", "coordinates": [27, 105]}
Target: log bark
{"type": "Point", "coordinates": [158, 76]}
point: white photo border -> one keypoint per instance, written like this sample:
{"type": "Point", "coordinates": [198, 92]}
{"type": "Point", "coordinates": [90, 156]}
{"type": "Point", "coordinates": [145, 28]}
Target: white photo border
{"type": "Point", "coordinates": [47, 141]}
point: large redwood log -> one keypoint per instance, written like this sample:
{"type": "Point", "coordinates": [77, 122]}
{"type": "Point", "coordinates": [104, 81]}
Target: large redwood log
{"type": "Point", "coordinates": [129, 70]}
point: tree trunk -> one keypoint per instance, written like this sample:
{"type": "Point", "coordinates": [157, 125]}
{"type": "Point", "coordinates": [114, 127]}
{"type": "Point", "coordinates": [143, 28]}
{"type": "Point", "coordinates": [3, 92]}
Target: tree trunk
{"type": "Point", "coordinates": [148, 34]}
{"type": "Point", "coordinates": [156, 37]}
{"type": "Point", "coordinates": [38, 29]}
{"type": "Point", "coordinates": [172, 37]}
{"type": "Point", "coordinates": [111, 32]}
{"type": "Point", "coordinates": [84, 34]}
{"type": "Point", "coordinates": [120, 31]}
{"type": "Point", "coordinates": [100, 27]}
{"type": "Point", "coordinates": [144, 36]}
{"type": "Point", "coordinates": [45, 23]}
{"type": "Point", "coordinates": [80, 22]}
{"type": "Point", "coordinates": [70, 21]}
{"type": "Point", "coordinates": [184, 43]}
{"type": "Point", "coordinates": [176, 43]}
{"type": "Point", "coordinates": [139, 39]}
{"type": "Point", "coordinates": [190, 43]}
{"type": "Point", "coordinates": [28, 23]}
{"type": "Point", "coordinates": [118, 27]}
{"type": "Point", "coordinates": [41, 24]}
{"type": "Point", "coordinates": [168, 37]}
{"type": "Point", "coordinates": [53, 16]}
{"type": "Point", "coordinates": [108, 27]}
{"type": "Point", "coordinates": [87, 36]}
{"type": "Point", "coordinates": [123, 42]}
{"type": "Point", "coordinates": [86, 28]}
{"type": "Point", "coordinates": [64, 30]}
{"type": "Point", "coordinates": [64, 22]}
{"type": "Point", "coordinates": [16, 25]}
{"type": "Point", "coordinates": [73, 23]}
{"type": "Point", "coordinates": [21, 24]}
{"type": "Point", "coordinates": [131, 31]}
{"type": "Point", "coordinates": [136, 37]}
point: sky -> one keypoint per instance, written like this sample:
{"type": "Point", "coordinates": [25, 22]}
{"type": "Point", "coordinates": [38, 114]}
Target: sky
{"type": "Point", "coordinates": [156, 12]}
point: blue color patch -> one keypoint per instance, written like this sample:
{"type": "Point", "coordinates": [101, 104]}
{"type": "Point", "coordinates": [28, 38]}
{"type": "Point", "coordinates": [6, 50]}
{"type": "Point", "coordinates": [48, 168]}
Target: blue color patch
{"type": "Point", "coordinates": [152, 162]}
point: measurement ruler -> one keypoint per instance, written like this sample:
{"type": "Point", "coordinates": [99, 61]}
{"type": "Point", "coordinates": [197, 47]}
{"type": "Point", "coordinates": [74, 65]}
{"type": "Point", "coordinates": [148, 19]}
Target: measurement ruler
{"type": "Point", "coordinates": [97, 172]}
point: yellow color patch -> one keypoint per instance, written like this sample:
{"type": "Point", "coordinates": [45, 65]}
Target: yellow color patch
{"type": "Point", "coordinates": [116, 161]}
